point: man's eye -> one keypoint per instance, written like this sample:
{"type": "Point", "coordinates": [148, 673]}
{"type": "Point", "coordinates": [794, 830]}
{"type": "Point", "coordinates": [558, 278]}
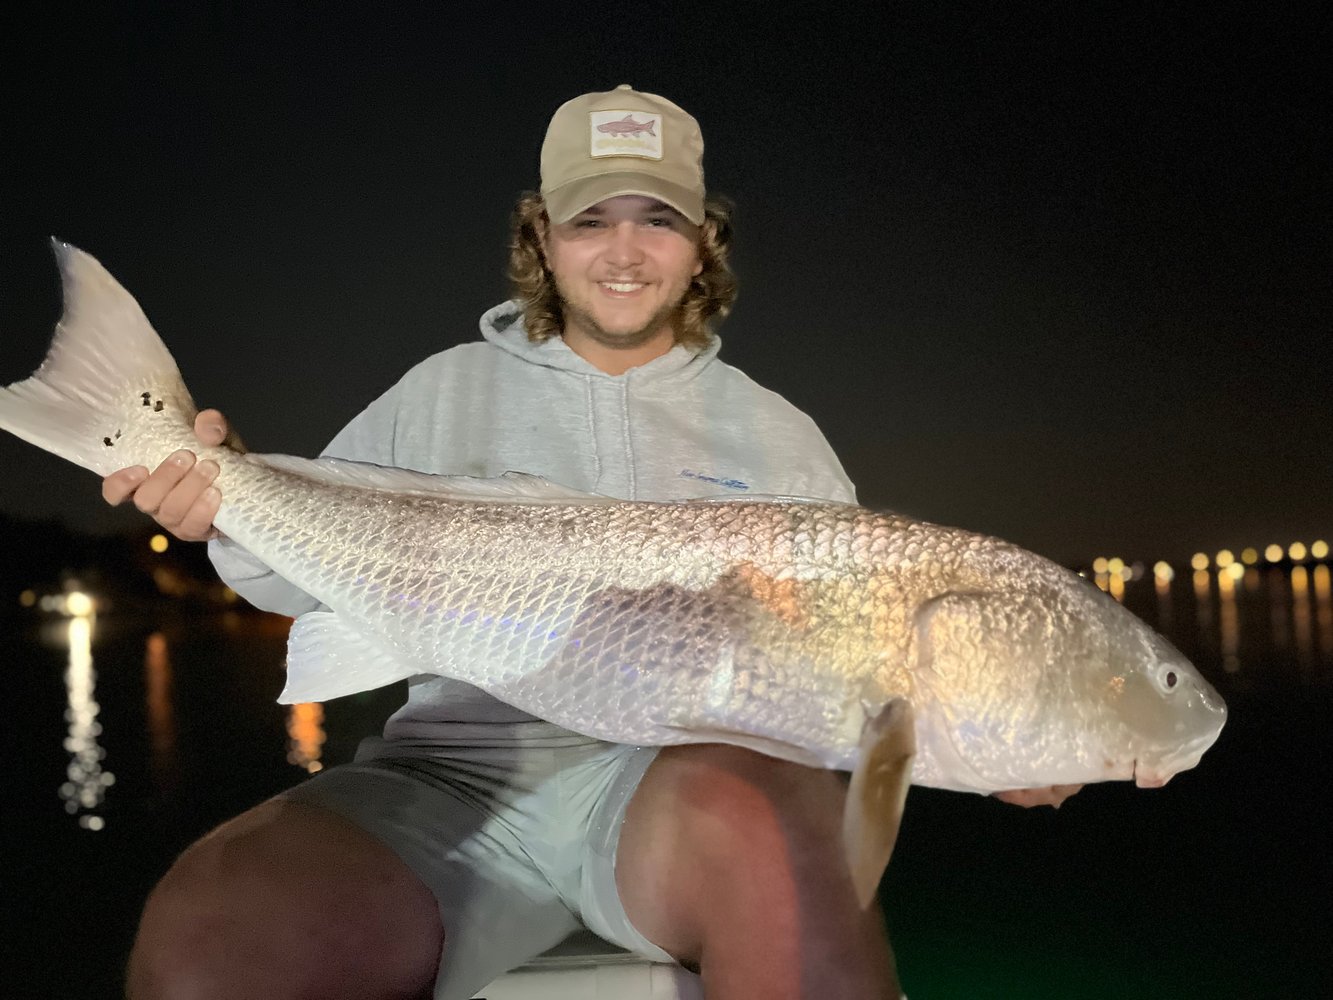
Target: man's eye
{"type": "Point", "coordinates": [658, 221]}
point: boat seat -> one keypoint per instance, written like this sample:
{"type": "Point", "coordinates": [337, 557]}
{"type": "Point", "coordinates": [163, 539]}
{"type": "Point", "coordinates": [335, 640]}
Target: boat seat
{"type": "Point", "coordinates": [584, 967]}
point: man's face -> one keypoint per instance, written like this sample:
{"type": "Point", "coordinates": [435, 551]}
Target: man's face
{"type": "Point", "coordinates": [621, 268]}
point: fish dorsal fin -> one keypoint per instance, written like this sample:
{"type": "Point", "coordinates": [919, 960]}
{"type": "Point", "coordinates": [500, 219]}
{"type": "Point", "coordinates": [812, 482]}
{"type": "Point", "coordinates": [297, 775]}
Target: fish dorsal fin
{"type": "Point", "coordinates": [512, 487]}
{"type": "Point", "coordinates": [876, 796]}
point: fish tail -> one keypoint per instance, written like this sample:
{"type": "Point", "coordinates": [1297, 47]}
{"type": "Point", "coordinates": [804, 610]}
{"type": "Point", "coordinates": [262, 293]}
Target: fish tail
{"type": "Point", "coordinates": [108, 395]}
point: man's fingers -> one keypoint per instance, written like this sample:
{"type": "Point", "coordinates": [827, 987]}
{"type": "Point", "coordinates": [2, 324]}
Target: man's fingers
{"type": "Point", "coordinates": [117, 487]}
{"type": "Point", "coordinates": [149, 496]}
{"type": "Point", "coordinates": [179, 504]}
{"type": "Point", "coordinates": [197, 525]}
{"type": "Point", "coordinates": [179, 494]}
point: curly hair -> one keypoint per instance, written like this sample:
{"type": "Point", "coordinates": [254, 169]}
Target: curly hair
{"type": "Point", "coordinates": [710, 295]}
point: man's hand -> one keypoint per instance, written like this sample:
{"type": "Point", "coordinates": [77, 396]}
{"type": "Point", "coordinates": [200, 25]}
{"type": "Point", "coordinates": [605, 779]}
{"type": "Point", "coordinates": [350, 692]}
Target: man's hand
{"type": "Point", "coordinates": [1052, 795]}
{"type": "Point", "coordinates": [179, 494]}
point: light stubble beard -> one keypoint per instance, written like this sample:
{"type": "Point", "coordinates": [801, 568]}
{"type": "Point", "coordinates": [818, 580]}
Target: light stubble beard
{"type": "Point", "coordinates": [628, 340]}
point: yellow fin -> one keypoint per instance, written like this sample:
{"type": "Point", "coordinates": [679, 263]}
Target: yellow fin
{"type": "Point", "coordinates": [876, 796]}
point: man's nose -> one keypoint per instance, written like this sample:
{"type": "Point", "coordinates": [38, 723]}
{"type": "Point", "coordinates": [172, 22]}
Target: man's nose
{"type": "Point", "coordinates": [625, 247]}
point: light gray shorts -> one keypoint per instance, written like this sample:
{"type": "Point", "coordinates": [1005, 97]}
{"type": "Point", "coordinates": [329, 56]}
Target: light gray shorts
{"type": "Point", "coordinates": [513, 828]}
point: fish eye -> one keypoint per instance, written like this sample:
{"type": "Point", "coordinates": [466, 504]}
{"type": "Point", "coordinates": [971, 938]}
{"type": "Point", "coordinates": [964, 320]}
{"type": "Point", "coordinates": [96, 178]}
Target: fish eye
{"type": "Point", "coordinates": [1168, 678]}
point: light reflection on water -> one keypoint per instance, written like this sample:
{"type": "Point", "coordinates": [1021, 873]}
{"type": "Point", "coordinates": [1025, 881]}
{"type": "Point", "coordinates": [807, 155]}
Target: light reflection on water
{"type": "Point", "coordinates": [1279, 606]}
{"type": "Point", "coordinates": [305, 732]}
{"type": "Point", "coordinates": [1324, 604]}
{"type": "Point", "coordinates": [1165, 617]}
{"type": "Point", "coordinates": [86, 784]}
{"type": "Point", "coordinates": [161, 710]}
{"type": "Point", "coordinates": [1300, 611]}
{"type": "Point", "coordinates": [84, 791]}
{"type": "Point", "coordinates": [1228, 626]}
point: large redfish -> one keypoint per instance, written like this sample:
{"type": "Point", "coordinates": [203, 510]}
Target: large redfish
{"type": "Point", "coordinates": [816, 632]}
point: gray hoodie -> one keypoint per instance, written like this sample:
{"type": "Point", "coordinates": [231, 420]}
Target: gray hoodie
{"type": "Point", "coordinates": [683, 425]}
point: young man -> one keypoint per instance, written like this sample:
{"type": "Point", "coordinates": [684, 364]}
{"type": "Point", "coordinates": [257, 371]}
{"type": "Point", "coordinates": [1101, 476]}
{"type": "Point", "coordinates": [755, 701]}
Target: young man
{"type": "Point", "coordinates": [471, 836]}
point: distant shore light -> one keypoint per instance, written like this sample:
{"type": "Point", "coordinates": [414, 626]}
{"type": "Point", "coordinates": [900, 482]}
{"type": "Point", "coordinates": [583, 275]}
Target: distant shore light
{"type": "Point", "coordinates": [78, 604]}
{"type": "Point", "coordinates": [1273, 553]}
{"type": "Point", "coordinates": [1249, 556]}
{"type": "Point", "coordinates": [158, 543]}
{"type": "Point", "coordinates": [1163, 571]}
{"type": "Point", "coordinates": [1115, 586]}
{"type": "Point", "coordinates": [1199, 561]}
{"type": "Point", "coordinates": [1297, 551]}
{"type": "Point", "coordinates": [28, 598]}
{"type": "Point", "coordinates": [1099, 564]}
{"type": "Point", "coordinates": [1319, 549]}
{"type": "Point", "coordinates": [1225, 559]}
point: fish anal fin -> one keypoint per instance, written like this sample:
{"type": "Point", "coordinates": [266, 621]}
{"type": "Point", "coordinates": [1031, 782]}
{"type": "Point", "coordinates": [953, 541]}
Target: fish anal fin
{"type": "Point", "coordinates": [327, 658]}
{"type": "Point", "coordinates": [876, 796]}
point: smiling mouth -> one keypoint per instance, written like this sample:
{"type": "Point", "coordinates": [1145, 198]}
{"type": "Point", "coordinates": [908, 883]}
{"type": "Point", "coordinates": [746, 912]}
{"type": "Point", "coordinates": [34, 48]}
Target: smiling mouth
{"type": "Point", "coordinates": [622, 287]}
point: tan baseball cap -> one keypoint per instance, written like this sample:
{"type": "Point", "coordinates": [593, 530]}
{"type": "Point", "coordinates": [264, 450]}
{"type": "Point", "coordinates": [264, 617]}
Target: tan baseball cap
{"type": "Point", "coordinates": [602, 145]}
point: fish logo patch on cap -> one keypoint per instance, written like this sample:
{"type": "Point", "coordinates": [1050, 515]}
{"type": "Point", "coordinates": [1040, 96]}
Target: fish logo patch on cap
{"type": "Point", "coordinates": [625, 133]}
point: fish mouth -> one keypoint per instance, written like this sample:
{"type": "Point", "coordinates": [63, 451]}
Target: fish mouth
{"type": "Point", "coordinates": [1158, 773]}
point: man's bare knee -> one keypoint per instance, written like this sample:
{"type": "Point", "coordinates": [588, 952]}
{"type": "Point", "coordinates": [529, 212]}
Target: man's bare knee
{"type": "Point", "coordinates": [716, 829]}
{"type": "Point", "coordinates": [723, 847]}
{"type": "Point", "coordinates": [286, 901]}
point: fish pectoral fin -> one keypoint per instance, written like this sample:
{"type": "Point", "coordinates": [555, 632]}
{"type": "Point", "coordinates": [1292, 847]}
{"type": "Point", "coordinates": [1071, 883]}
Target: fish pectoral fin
{"type": "Point", "coordinates": [326, 659]}
{"type": "Point", "coordinates": [876, 796]}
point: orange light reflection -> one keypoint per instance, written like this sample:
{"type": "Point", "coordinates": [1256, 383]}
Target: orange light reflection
{"type": "Point", "coordinates": [1203, 603]}
{"type": "Point", "coordinates": [305, 727]}
{"type": "Point", "coordinates": [1323, 609]}
{"type": "Point", "coordinates": [1279, 606]}
{"type": "Point", "coordinates": [1228, 621]}
{"type": "Point", "coordinates": [1300, 611]}
{"type": "Point", "coordinates": [160, 708]}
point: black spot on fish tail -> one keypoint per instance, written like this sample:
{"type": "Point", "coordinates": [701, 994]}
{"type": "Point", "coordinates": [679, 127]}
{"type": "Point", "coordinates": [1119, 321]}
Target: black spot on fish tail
{"type": "Point", "coordinates": [157, 407]}
{"type": "Point", "coordinates": [107, 442]}
{"type": "Point", "coordinates": [146, 397]}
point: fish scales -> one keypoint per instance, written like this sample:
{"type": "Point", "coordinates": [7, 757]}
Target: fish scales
{"type": "Point", "coordinates": [729, 614]}
{"type": "Point", "coordinates": [798, 628]}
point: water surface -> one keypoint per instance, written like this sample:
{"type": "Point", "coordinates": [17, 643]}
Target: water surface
{"type": "Point", "coordinates": [129, 735]}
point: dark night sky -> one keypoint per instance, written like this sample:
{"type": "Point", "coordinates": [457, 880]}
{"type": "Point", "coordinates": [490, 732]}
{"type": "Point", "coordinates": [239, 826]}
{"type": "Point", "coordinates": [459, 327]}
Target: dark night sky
{"type": "Point", "coordinates": [1057, 272]}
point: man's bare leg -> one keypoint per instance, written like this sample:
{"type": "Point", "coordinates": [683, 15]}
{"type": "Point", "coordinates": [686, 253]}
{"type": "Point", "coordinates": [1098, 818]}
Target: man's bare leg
{"type": "Point", "coordinates": [733, 861]}
{"type": "Point", "coordinates": [287, 901]}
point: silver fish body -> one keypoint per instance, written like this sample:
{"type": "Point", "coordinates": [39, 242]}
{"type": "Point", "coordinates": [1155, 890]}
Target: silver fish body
{"type": "Point", "coordinates": [781, 625]}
